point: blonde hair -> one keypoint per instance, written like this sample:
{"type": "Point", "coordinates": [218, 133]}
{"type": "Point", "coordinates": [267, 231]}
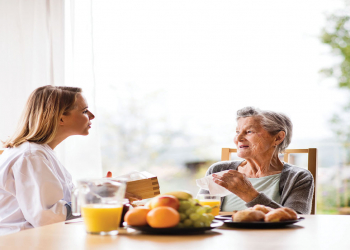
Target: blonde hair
{"type": "Point", "coordinates": [40, 117]}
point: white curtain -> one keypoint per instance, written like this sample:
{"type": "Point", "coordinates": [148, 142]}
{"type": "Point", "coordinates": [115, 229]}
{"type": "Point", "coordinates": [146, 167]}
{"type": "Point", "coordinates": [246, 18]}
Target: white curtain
{"type": "Point", "coordinates": [36, 50]}
{"type": "Point", "coordinates": [81, 155]}
{"type": "Point", "coordinates": [31, 54]}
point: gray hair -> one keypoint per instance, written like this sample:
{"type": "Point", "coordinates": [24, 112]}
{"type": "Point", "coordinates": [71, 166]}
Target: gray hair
{"type": "Point", "coordinates": [272, 122]}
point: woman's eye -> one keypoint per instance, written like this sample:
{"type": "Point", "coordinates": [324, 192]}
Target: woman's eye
{"type": "Point", "coordinates": [248, 132]}
{"type": "Point", "coordinates": [237, 132]}
{"type": "Point", "coordinates": [85, 111]}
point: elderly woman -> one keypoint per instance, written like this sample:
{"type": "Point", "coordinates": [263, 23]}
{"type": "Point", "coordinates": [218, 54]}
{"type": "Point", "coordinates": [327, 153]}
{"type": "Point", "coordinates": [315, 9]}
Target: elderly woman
{"type": "Point", "coordinates": [261, 178]}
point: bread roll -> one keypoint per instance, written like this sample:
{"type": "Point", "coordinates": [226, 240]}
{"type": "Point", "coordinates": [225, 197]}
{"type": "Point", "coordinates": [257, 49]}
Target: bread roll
{"type": "Point", "coordinates": [262, 208]}
{"type": "Point", "coordinates": [293, 215]}
{"type": "Point", "coordinates": [280, 214]}
{"type": "Point", "coordinates": [248, 215]}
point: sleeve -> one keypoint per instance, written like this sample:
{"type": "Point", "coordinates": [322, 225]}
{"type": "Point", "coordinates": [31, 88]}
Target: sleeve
{"type": "Point", "coordinates": [70, 216]}
{"type": "Point", "coordinates": [262, 199]}
{"type": "Point", "coordinates": [39, 192]}
{"type": "Point", "coordinates": [298, 195]}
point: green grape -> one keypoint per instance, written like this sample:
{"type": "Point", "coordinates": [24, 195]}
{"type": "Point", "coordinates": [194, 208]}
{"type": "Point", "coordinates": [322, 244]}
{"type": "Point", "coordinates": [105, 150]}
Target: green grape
{"type": "Point", "coordinates": [210, 217]}
{"type": "Point", "coordinates": [185, 205]}
{"type": "Point", "coordinates": [181, 210]}
{"type": "Point", "coordinates": [196, 206]}
{"type": "Point", "coordinates": [180, 225]}
{"type": "Point", "coordinates": [183, 216]}
{"type": "Point", "coordinates": [190, 211]}
{"type": "Point", "coordinates": [198, 224]}
{"type": "Point", "coordinates": [201, 210]}
{"type": "Point", "coordinates": [195, 201]}
{"type": "Point", "coordinates": [207, 224]}
{"type": "Point", "coordinates": [203, 218]}
{"type": "Point", "coordinates": [188, 223]}
{"type": "Point", "coordinates": [208, 208]}
{"type": "Point", "coordinates": [194, 216]}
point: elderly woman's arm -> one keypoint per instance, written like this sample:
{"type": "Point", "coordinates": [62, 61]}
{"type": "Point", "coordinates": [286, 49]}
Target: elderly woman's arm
{"type": "Point", "coordinates": [298, 191]}
{"type": "Point", "coordinates": [299, 197]}
{"type": "Point", "coordinates": [297, 194]}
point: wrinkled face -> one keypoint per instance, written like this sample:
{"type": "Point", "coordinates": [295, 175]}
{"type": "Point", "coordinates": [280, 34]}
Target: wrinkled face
{"type": "Point", "coordinates": [78, 121]}
{"type": "Point", "coordinates": [252, 140]}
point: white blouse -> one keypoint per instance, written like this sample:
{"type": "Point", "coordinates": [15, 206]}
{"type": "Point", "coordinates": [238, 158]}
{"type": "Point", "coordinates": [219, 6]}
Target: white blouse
{"type": "Point", "coordinates": [34, 188]}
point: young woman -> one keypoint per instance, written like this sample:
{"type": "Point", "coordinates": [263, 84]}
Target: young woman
{"type": "Point", "coordinates": [35, 189]}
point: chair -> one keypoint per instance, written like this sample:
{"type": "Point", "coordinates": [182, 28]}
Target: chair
{"type": "Point", "coordinates": [1, 151]}
{"type": "Point", "coordinates": [312, 164]}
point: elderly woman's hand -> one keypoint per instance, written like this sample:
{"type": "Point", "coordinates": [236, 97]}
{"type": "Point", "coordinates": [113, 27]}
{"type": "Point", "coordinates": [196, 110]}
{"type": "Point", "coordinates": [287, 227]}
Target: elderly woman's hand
{"type": "Point", "coordinates": [238, 184]}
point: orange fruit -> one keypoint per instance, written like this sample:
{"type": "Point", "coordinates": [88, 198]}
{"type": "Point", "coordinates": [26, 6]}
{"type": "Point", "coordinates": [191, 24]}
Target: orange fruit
{"type": "Point", "coordinates": [161, 217]}
{"type": "Point", "coordinates": [137, 216]}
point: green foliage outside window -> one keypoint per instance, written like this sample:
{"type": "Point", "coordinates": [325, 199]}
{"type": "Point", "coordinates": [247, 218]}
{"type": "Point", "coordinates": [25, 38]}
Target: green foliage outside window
{"type": "Point", "coordinates": [336, 34]}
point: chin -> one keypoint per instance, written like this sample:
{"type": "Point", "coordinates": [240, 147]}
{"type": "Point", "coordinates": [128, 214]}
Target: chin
{"type": "Point", "coordinates": [242, 155]}
{"type": "Point", "coordinates": [85, 133]}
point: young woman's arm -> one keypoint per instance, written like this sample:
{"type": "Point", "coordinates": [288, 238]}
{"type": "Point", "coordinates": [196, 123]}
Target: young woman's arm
{"type": "Point", "coordinates": [38, 191]}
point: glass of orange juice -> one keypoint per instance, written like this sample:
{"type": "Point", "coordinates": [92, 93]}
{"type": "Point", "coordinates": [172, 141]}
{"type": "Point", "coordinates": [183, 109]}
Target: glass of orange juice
{"type": "Point", "coordinates": [214, 201]}
{"type": "Point", "coordinates": [100, 203]}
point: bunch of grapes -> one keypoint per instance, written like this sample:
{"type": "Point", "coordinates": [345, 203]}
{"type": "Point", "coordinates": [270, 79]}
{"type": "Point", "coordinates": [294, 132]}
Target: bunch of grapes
{"type": "Point", "coordinates": [192, 214]}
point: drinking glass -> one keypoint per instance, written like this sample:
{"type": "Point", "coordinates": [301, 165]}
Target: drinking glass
{"type": "Point", "coordinates": [214, 201]}
{"type": "Point", "coordinates": [100, 202]}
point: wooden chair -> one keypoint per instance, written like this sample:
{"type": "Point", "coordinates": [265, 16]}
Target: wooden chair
{"type": "Point", "coordinates": [1, 151]}
{"type": "Point", "coordinates": [312, 164]}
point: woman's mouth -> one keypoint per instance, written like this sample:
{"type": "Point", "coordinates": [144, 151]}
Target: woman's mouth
{"type": "Point", "coordinates": [243, 146]}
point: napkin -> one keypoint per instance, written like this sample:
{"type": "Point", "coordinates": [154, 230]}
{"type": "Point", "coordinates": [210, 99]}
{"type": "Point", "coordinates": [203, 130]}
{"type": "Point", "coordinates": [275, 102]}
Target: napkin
{"type": "Point", "coordinates": [207, 183]}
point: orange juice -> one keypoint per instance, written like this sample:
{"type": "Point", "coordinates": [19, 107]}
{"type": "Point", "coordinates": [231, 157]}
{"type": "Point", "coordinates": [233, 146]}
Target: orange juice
{"type": "Point", "coordinates": [215, 204]}
{"type": "Point", "coordinates": [101, 218]}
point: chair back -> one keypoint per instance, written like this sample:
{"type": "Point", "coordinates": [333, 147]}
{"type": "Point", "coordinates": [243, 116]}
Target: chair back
{"type": "Point", "coordinates": [312, 164]}
{"type": "Point", "coordinates": [1, 151]}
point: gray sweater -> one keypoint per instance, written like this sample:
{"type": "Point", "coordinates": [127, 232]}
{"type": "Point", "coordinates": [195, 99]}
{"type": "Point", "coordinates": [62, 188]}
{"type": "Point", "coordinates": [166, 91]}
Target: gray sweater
{"type": "Point", "coordinates": [296, 187]}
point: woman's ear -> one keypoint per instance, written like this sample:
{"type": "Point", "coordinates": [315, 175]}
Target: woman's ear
{"type": "Point", "coordinates": [280, 137]}
{"type": "Point", "coordinates": [61, 120]}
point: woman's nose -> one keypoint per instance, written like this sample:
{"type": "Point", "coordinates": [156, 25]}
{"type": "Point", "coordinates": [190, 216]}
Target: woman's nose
{"type": "Point", "coordinates": [91, 116]}
{"type": "Point", "coordinates": [240, 137]}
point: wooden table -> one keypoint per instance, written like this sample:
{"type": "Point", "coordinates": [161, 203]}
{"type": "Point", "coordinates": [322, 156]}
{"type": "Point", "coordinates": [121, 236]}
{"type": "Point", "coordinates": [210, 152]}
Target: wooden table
{"type": "Point", "coordinates": [315, 232]}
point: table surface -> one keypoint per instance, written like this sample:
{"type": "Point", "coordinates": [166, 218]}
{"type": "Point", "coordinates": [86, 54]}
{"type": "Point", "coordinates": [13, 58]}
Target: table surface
{"type": "Point", "coordinates": [315, 232]}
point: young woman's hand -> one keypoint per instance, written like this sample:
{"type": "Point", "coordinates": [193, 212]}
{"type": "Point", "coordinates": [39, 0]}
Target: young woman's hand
{"type": "Point", "coordinates": [132, 197]}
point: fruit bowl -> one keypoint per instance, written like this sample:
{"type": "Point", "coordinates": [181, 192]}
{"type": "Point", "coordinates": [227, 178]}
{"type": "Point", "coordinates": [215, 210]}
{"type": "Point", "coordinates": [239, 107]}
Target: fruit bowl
{"type": "Point", "coordinates": [176, 230]}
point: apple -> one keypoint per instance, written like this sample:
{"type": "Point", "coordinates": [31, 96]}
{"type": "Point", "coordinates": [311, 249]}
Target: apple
{"type": "Point", "coordinates": [165, 201]}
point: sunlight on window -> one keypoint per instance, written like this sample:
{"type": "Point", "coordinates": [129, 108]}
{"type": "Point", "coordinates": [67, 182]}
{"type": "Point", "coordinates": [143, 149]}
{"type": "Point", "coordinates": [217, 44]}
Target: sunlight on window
{"type": "Point", "coordinates": [170, 77]}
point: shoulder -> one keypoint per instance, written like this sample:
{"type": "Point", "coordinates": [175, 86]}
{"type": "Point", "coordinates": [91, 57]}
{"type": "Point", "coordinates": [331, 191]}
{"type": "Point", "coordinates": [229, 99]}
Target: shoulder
{"type": "Point", "coordinates": [222, 166]}
{"type": "Point", "coordinates": [290, 172]}
{"type": "Point", "coordinates": [36, 150]}
{"type": "Point", "coordinates": [25, 151]}
{"type": "Point", "coordinates": [27, 148]}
